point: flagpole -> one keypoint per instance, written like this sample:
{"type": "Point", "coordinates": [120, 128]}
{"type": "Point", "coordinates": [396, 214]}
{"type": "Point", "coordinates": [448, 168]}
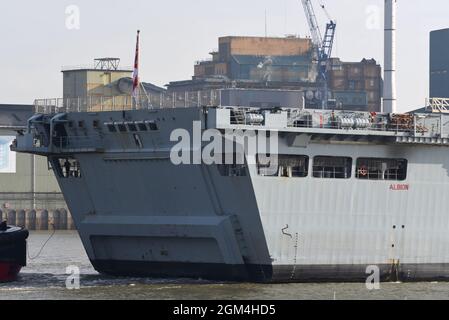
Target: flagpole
{"type": "Point", "coordinates": [136, 80]}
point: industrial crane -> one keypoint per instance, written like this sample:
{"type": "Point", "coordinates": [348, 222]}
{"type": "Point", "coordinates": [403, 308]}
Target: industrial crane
{"type": "Point", "coordinates": [322, 45]}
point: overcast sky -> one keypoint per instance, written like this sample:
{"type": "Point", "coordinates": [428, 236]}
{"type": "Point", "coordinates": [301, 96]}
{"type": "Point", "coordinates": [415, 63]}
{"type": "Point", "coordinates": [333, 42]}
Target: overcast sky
{"type": "Point", "coordinates": [39, 37]}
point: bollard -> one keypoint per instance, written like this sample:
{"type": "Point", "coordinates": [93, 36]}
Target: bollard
{"type": "Point", "coordinates": [12, 217]}
{"type": "Point", "coordinates": [20, 218]}
{"type": "Point", "coordinates": [42, 220]}
{"type": "Point", "coordinates": [63, 219]}
{"type": "Point", "coordinates": [30, 219]}
{"type": "Point", "coordinates": [54, 220]}
{"type": "Point", "coordinates": [70, 222]}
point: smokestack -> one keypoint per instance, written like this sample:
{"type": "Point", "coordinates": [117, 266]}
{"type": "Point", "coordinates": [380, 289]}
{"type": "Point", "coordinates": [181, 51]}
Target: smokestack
{"type": "Point", "coordinates": [389, 105]}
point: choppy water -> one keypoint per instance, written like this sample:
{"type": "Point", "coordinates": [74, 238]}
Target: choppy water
{"type": "Point", "coordinates": [45, 277]}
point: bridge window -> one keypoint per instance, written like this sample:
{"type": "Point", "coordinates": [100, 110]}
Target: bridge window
{"type": "Point", "coordinates": [132, 127]}
{"type": "Point", "coordinates": [142, 126]}
{"type": "Point", "coordinates": [152, 125]}
{"type": "Point", "coordinates": [381, 169]}
{"type": "Point", "coordinates": [122, 127]}
{"type": "Point", "coordinates": [332, 167]}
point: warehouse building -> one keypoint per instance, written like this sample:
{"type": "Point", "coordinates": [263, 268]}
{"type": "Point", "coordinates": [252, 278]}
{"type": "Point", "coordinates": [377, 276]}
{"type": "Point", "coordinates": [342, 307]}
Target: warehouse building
{"type": "Point", "coordinates": [357, 85]}
{"type": "Point", "coordinates": [26, 181]}
{"type": "Point", "coordinates": [285, 64]}
{"type": "Point", "coordinates": [105, 78]}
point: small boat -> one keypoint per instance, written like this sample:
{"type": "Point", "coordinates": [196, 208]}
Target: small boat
{"type": "Point", "coordinates": [12, 251]}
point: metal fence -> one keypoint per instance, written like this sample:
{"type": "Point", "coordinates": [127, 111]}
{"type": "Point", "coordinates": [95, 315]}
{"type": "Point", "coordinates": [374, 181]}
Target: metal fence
{"type": "Point", "coordinates": [17, 200]}
{"type": "Point", "coordinates": [126, 102]}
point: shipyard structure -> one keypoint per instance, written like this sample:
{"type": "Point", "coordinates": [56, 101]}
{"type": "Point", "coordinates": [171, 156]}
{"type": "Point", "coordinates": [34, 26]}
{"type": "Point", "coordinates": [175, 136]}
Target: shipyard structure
{"type": "Point", "coordinates": [286, 64]}
{"type": "Point", "coordinates": [253, 71]}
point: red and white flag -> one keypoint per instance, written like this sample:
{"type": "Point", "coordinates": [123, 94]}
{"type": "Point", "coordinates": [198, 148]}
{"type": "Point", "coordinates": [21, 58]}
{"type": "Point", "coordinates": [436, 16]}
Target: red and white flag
{"type": "Point", "coordinates": [136, 81]}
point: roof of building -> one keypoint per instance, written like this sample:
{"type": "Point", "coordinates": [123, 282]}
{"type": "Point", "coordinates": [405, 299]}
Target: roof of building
{"type": "Point", "coordinates": [13, 115]}
{"type": "Point", "coordinates": [440, 30]}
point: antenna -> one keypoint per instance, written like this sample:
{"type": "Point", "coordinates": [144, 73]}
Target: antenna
{"type": "Point", "coordinates": [285, 17]}
{"type": "Point", "coordinates": [389, 100]}
{"type": "Point", "coordinates": [266, 27]}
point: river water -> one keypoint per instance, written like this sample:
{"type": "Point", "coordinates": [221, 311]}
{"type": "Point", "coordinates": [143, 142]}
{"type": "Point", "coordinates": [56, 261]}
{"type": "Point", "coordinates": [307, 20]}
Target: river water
{"type": "Point", "coordinates": [45, 278]}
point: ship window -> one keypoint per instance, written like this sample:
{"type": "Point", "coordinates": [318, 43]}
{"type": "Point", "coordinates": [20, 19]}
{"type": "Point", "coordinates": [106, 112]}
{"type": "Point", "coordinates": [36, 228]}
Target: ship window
{"type": "Point", "coordinates": [153, 125]}
{"type": "Point", "coordinates": [67, 167]}
{"type": "Point", "coordinates": [122, 127]}
{"type": "Point", "coordinates": [142, 126]}
{"type": "Point", "coordinates": [332, 167]}
{"type": "Point", "coordinates": [234, 169]}
{"type": "Point", "coordinates": [132, 127]}
{"type": "Point", "coordinates": [291, 166]}
{"type": "Point", "coordinates": [381, 169]}
{"type": "Point", "coordinates": [267, 165]}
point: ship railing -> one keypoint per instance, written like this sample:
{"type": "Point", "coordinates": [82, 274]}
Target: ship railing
{"type": "Point", "coordinates": [391, 127]}
{"type": "Point", "coordinates": [419, 125]}
{"type": "Point", "coordinates": [126, 102]}
{"type": "Point", "coordinates": [95, 66]}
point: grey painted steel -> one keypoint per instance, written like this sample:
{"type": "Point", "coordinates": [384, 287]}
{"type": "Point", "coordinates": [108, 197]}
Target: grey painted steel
{"type": "Point", "coordinates": [139, 214]}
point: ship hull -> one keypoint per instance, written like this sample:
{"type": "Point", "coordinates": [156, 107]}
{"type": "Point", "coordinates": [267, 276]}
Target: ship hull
{"type": "Point", "coordinates": [140, 214]}
{"type": "Point", "coordinates": [272, 274]}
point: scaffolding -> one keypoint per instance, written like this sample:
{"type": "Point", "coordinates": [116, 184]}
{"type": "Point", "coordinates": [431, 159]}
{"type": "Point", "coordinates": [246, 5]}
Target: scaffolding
{"type": "Point", "coordinates": [438, 105]}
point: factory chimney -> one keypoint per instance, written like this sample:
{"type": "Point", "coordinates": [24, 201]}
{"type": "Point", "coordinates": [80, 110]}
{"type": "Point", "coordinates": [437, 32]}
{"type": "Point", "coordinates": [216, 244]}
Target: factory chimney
{"type": "Point", "coordinates": [389, 100]}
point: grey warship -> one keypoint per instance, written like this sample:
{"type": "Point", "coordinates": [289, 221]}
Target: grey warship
{"type": "Point", "coordinates": [349, 190]}
{"type": "Point", "coordinates": [341, 193]}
